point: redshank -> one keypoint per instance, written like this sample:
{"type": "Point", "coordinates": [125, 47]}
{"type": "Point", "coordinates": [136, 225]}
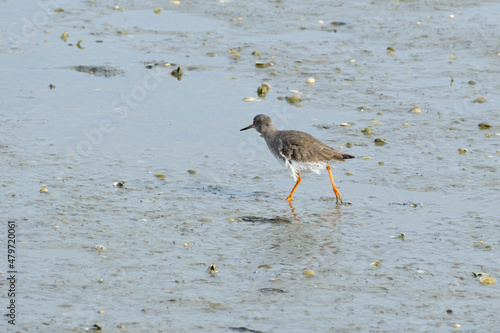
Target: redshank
{"type": "Point", "coordinates": [298, 151]}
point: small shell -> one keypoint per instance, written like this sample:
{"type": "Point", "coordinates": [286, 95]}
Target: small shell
{"type": "Point", "coordinates": [212, 269]}
{"type": "Point", "coordinates": [261, 92]}
{"type": "Point", "coordinates": [192, 172]}
{"type": "Point", "coordinates": [484, 126]}
{"type": "Point", "coordinates": [251, 99]}
{"type": "Point", "coordinates": [480, 100]}
{"type": "Point", "coordinates": [375, 263]}
{"type": "Point", "coordinates": [263, 89]}
{"type": "Point", "coordinates": [44, 190]}
{"type": "Point", "coordinates": [160, 175]}
{"type": "Point", "coordinates": [400, 236]}
{"type": "Point", "coordinates": [483, 245]}
{"type": "Point", "coordinates": [177, 73]}
{"type": "Point", "coordinates": [416, 109]}
{"type": "Point", "coordinates": [309, 272]}
{"type": "Point", "coordinates": [64, 36]}
{"type": "Point", "coordinates": [367, 130]}
{"type": "Point", "coordinates": [157, 10]}
{"type": "Point", "coordinates": [487, 280]}
{"type": "Point", "coordinates": [380, 141]}
{"type": "Point", "coordinates": [263, 64]}
{"type": "Point", "coordinates": [293, 99]}
{"type": "Point", "coordinates": [462, 150]}
{"type": "Point", "coordinates": [79, 44]}
{"type": "Point", "coordinates": [311, 81]}
{"type": "Point", "coordinates": [100, 248]}
{"type": "Point", "coordinates": [94, 327]}
{"type": "Point", "coordinates": [266, 85]}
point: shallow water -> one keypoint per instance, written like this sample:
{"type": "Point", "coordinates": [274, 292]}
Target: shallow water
{"type": "Point", "coordinates": [161, 235]}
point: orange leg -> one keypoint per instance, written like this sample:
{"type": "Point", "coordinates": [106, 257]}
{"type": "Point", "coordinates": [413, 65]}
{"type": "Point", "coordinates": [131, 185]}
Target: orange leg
{"type": "Point", "coordinates": [289, 198]}
{"type": "Point", "coordinates": [337, 194]}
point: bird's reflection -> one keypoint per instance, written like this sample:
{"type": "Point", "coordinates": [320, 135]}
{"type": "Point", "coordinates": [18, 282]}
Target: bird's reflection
{"type": "Point", "coordinates": [333, 215]}
{"type": "Point", "coordinates": [292, 210]}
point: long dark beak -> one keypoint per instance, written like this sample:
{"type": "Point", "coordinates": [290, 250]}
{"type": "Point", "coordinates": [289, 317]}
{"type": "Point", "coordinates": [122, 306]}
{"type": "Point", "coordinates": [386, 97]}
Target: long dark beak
{"type": "Point", "coordinates": [248, 127]}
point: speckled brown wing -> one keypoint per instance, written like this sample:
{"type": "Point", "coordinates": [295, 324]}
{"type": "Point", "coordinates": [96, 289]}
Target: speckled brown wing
{"type": "Point", "coordinates": [303, 147]}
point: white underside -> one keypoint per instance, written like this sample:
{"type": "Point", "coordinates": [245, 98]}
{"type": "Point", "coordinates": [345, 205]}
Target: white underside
{"type": "Point", "coordinates": [303, 167]}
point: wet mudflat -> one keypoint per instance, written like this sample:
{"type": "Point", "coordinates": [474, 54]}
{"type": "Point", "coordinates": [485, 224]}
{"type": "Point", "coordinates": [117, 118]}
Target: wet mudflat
{"type": "Point", "coordinates": [154, 172]}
